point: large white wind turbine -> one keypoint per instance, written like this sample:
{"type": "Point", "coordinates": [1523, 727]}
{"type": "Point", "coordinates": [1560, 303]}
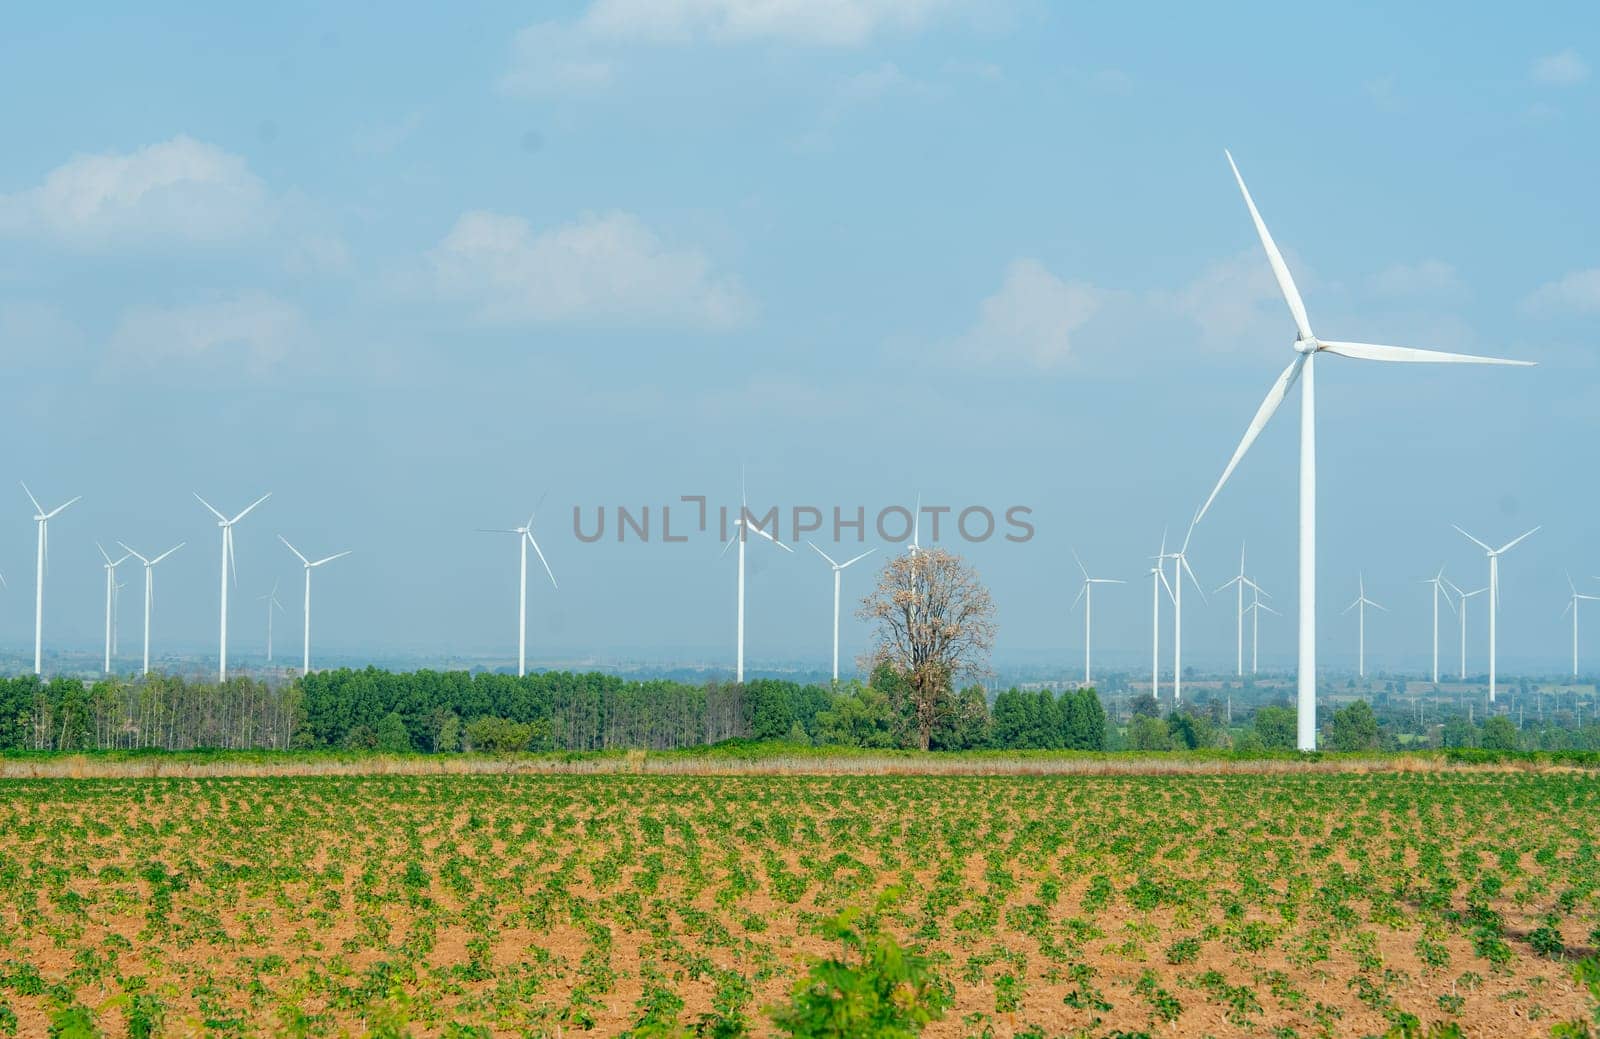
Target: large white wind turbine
{"type": "Point", "coordinates": [111, 593]}
{"type": "Point", "coordinates": [837, 568]}
{"type": "Point", "coordinates": [227, 566]}
{"type": "Point", "coordinates": [1303, 367]}
{"type": "Point", "coordinates": [1158, 581]}
{"type": "Point", "coordinates": [149, 591]}
{"type": "Point", "coordinates": [1572, 604]}
{"type": "Point", "coordinates": [1086, 595]}
{"type": "Point", "coordinates": [1239, 582]}
{"type": "Point", "coordinates": [1255, 608]}
{"type": "Point", "coordinates": [1361, 604]}
{"type": "Point", "coordinates": [1180, 566]}
{"type": "Point", "coordinates": [1438, 582]}
{"type": "Point", "coordinates": [1494, 592]}
{"type": "Point", "coordinates": [271, 599]}
{"type": "Point", "coordinates": [524, 539]}
{"type": "Point", "coordinates": [310, 565]}
{"type": "Point", "coordinates": [43, 518]}
{"type": "Point", "coordinates": [740, 528]}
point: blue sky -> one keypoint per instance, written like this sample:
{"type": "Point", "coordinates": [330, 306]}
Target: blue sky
{"type": "Point", "coordinates": [413, 272]}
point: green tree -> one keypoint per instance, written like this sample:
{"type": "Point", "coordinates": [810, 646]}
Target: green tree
{"type": "Point", "coordinates": [1147, 733]}
{"type": "Point", "coordinates": [1276, 727]}
{"type": "Point", "coordinates": [1499, 734]}
{"type": "Point", "coordinates": [859, 716]}
{"type": "Point", "coordinates": [1353, 728]}
{"type": "Point", "coordinates": [392, 735]}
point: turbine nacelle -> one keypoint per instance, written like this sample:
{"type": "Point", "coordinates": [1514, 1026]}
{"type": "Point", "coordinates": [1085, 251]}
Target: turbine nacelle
{"type": "Point", "coordinates": [1307, 346]}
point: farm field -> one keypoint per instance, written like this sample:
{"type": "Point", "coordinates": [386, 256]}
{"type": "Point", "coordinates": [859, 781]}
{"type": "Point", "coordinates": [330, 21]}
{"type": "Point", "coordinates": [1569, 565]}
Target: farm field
{"type": "Point", "coordinates": [1279, 904]}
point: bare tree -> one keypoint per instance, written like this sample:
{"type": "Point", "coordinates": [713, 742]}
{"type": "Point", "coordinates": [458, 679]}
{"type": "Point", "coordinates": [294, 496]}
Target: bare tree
{"type": "Point", "coordinates": [935, 624]}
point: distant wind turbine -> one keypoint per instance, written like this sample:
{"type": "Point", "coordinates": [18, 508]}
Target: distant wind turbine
{"type": "Point", "coordinates": [1360, 605]}
{"type": "Point", "coordinates": [1086, 595]}
{"type": "Point", "coordinates": [227, 567]}
{"type": "Point", "coordinates": [271, 599]}
{"type": "Point", "coordinates": [741, 526]}
{"type": "Point", "coordinates": [1306, 347]}
{"type": "Point", "coordinates": [1239, 582]}
{"type": "Point", "coordinates": [1158, 581]}
{"type": "Point", "coordinates": [149, 590]}
{"type": "Point", "coordinates": [837, 568]}
{"type": "Point", "coordinates": [1438, 582]}
{"type": "Point", "coordinates": [310, 565]}
{"type": "Point", "coordinates": [1494, 592]}
{"type": "Point", "coordinates": [1461, 605]}
{"type": "Point", "coordinates": [1572, 604]}
{"type": "Point", "coordinates": [1180, 566]}
{"type": "Point", "coordinates": [111, 594]}
{"type": "Point", "coordinates": [524, 539]}
{"type": "Point", "coordinates": [43, 518]}
{"type": "Point", "coordinates": [1255, 608]}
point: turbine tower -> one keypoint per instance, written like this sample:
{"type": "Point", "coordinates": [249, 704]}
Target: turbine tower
{"type": "Point", "coordinates": [1180, 566]}
{"type": "Point", "coordinates": [310, 565]}
{"type": "Point", "coordinates": [1438, 582]}
{"type": "Point", "coordinates": [741, 526]}
{"type": "Point", "coordinates": [42, 517]}
{"type": "Point", "coordinates": [1158, 581]}
{"type": "Point", "coordinates": [1361, 604]}
{"type": "Point", "coordinates": [1572, 604]}
{"type": "Point", "coordinates": [1461, 602]}
{"type": "Point", "coordinates": [227, 566]}
{"type": "Point", "coordinates": [525, 538]}
{"type": "Point", "coordinates": [1086, 595]}
{"type": "Point", "coordinates": [1494, 592]}
{"type": "Point", "coordinates": [837, 568]}
{"type": "Point", "coordinates": [149, 590]}
{"type": "Point", "coordinates": [111, 593]}
{"type": "Point", "coordinates": [271, 599]}
{"type": "Point", "coordinates": [1306, 347]}
{"type": "Point", "coordinates": [1239, 582]}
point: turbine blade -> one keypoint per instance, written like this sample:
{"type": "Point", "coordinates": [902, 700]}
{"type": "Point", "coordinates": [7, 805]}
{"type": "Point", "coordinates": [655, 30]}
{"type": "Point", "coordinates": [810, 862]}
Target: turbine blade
{"type": "Point", "coordinates": [167, 553]}
{"type": "Point", "coordinates": [1269, 407]}
{"type": "Point", "coordinates": [1081, 567]}
{"type": "Point", "coordinates": [59, 509]}
{"type": "Point", "coordinates": [1184, 562]}
{"type": "Point", "coordinates": [1084, 590]}
{"type": "Point", "coordinates": [857, 559]}
{"type": "Point", "coordinates": [1280, 270]}
{"type": "Point", "coordinates": [329, 559]}
{"type": "Point", "coordinates": [769, 537]}
{"type": "Point", "coordinates": [134, 554]}
{"type": "Point", "coordinates": [823, 554]}
{"type": "Point", "coordinates": [36, 506]}
{"type": "Point", "coordinates": [220, 517]}
{"type": "Point", "coordinates": [291, 548]}
{"type": "Point", "coordinates": [1514, 541]}
{"type": "Point", "coordinates": [1411, 355]}
{"type": "Point", "coordinates": [1162, 573]}
{"type": "Point", "coordinates": [227, 537]}
{"type": "Point", "coordinates": [252, 505]}
{"type": "Point", "coordinates": [107, 557]}
{"type": "Point", "coordinates": [540, 554]}
{"type": "Point", "coordinates": [1474, 540]}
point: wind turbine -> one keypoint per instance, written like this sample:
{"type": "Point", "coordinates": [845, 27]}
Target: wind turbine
{"type": "Point", "coordinates": [227, 565]}
{"type": "Point", "coordinates": [1239, 582]}
{"type": "Point", "coordinates": [741, 526]}
{"type": "Point", "coordinates": [1306, 347]}
{"type": "Point", "coordinates": [1255, 608]}
{"type": "Point", "coordinates": [1572, 605]}
{"type": "Point", "coordinates": [1461, 601]}
{"type": "Point", "coordinates": [43, 518]}
{"type": "Point", "coordinates": [837, 567]}
{"type": "Point", "coordinates": [1158, 581]}
{"type": "Point", "coordinates": [1180, 566]}
{"type": "Point", "coordinates": [525, 538]}
{"type": "Point", "coordinates": [1361, 604]}
{"type": "Point", "coordinates": [1086, 595]}
{"type": "Point", "coordinates": [111, 592]}
{"type": "Point", "coordinates": [916, 524]}
{"type": "Point", "coordinates": [305, 659]}
{"type": "Point", "coordinates": [149, 590]}
{"type": "Point", "coordinates": [1438, 582]}
{"type": "Point", "coordinates": [271, 599]}
{"type": "Point", "coordinates": [1494, 592]}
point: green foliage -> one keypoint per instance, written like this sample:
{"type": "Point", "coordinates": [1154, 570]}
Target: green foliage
{"type": "Point", "coordinates": [1498, 734]}
{"type": "Point", "coordinates": [873, 990]}
{"type": "Point", "coordinates": [391, 735]}
{"type": "Point", "coordinates": [1353, 728]}
{"type": "Point", "coordinates": [1276, 727]}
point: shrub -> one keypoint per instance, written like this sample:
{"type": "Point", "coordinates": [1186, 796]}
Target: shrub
{"type": "Point", "coordinates": [875, 988]}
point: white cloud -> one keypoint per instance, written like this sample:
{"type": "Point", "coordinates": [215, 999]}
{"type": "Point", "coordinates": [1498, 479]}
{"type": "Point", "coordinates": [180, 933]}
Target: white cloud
{"type": "Point", "coordinates": [1234, 302]}
{"type": "Point", "coordinates": [1428, 278]}
{"type": "Point", "coordinates": [584, 54]}
{"type": "Point", "coordinates": [605, 269]}
{"type": "Point", "coordinates": [37, 335]}
{"type": "Point", "coordinates": [255, 329]}
{"type": "Point", "coordinates": [1031, 319]}
{"type": "Point", "coordinates": [180, 190]}
{"type": "Point", "coordinates": [1559, 70]}
{"type": "Point", "coordinates": [1577, 293]}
